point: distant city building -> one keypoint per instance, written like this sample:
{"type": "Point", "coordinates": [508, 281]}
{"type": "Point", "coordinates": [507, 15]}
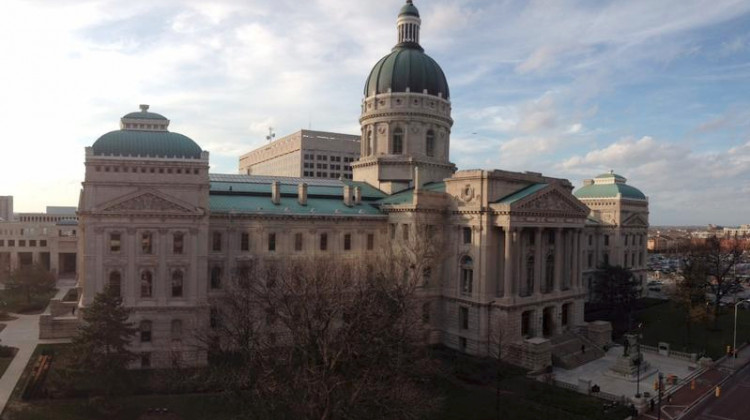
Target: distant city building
{"type": "Point", "coordinates": [617, 228]}
{"type": "Point", "coordinates": [40, 238]}
{"type": "Point", "coordinates": [6, 208]}
{"type": "Point", "coordinates": [306, 153]}
{"type": "Point", "coordinates": [743, 230]}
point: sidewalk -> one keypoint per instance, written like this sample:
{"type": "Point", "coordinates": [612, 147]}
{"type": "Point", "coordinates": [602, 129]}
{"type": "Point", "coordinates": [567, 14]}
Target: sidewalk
{"type": "Point", "coordinates": [22, 333]}
{"type": "Point", "coordinates": [684, 397]}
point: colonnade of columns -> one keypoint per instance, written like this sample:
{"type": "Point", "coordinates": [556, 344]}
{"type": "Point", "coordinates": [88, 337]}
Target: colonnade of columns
{"type": "Point", "coordinates": [519, 279]}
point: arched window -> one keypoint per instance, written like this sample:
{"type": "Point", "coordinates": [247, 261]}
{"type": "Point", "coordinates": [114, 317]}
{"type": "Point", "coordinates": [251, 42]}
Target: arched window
{"type": "Point", "coordinates": [549, 275]}
{"type": "Point", "coordinates": [115, 283]}
{"type": "Point", "coordinates": [398, 141]}
{"type": "Point", "coordinates": [467, 275]}
{"type": "Point", "coordinates": [176, 329]}
{"type": "Point", "coordinates": [529, 275]}
{"type": "Point", "coordinates": [147, 284]}
{"type": "Point", "coordinates": [145, 330]}
{"type": "Point", "coordinates": [430, 143]}
{"type": "Point", "coordinates": [177, 278]}
{"type": "Point", "coordinates": [216, 277]}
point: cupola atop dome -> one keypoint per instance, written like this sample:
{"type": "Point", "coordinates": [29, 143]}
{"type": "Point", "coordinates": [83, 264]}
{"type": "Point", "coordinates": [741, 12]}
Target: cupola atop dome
{"type": "Point", "coordinates": [144, 120]}
{"type": "Point", "coordinates": [407, 68]}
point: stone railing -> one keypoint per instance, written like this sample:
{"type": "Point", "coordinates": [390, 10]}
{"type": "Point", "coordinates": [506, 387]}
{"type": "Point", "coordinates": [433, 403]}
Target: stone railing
{"type": "Point", "coordinates": [679, 355]}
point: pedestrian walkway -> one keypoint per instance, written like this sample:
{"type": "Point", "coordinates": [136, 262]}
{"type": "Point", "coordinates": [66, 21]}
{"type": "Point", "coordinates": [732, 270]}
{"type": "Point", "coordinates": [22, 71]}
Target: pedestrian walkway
{"type": "Point", "coordinates": [691, 393]}
{"type": "Point", "coordinates": [22, 333]}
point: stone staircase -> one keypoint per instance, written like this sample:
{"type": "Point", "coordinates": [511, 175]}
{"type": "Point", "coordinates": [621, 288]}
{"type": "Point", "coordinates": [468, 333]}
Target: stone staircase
{"type": "Point", "coordinates": [566, 351]}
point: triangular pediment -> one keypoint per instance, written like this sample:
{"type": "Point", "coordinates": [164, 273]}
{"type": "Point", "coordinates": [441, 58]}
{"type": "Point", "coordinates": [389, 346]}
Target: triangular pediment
{"type": "Point", "coordinates": [147, 201]}
{"type": "Point", "coordinates": [551, 200]}
{"type": "Point", "coordinates": [635, 220]}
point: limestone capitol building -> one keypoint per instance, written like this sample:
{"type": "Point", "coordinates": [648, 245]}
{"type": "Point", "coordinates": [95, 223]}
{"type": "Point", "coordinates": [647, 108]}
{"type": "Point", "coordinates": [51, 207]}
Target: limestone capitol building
{"type": "Point", "coordinates": [520, 248]}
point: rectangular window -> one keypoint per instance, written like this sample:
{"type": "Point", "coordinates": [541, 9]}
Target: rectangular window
{"type": "Point", "coordinates": [606, 240]}
{"type": "Point", "coordinates": [405, 231]}
{"type": "Point", "coordinates": [347, 242]}
{"type": "Point", "coordinates": [145, 360]}
{"type": "Point", "coordinates": [147, 245]}
{"type": "Point", "coordinates": [463, 317]}
{"type": "Point", "coordinates": [467, 235]}
{"type": "Point", "coordinates": [32, 242]}
{"type": "Point", "coordinates": [298, 242]}
{"type": "Point", "coordinates": [591, 240]}
{"type": "Point", "coordinates": [323, 241]}
{"type": "Point", "coordinates": [178, 243]}
{"type": "Point", "coordinates": [370, 241]}
{"type": "Point", "coordinates": [462, 343]}
{"type": "Point", "coordinates": [272, 242]}
{"type": "Point", "coordinates": [11, 242]}
{"type": "Point", "coordinates": [22, 242]}
{"type": "Point", "coordinates": [245, 241]}
{"type": "Point", "coordinates": [2, 242]}
{"type": "Point", "coordinates": [590, 260]}
{"type": "Point", "coordinates": [216, 242]}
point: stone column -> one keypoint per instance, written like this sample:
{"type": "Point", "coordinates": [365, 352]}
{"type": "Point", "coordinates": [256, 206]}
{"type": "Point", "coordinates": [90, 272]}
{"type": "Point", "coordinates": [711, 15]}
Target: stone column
{"type": "Point", "coordinates": [508, 263]}
{"type": "Point", "coordinates": [558, 259]}
{"type": "Point", "coordinates": [538, 255]}
{"type": "Point", "coordinates": [131, 278]}
{"type": "Point", "coordinates": [577, 260]}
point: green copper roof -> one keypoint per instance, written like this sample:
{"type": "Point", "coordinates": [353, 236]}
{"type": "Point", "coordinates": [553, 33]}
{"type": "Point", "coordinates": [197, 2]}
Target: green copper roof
{"type": "Point", "coordinates": [406, 196]}
{"type": "Point", "coordinates": [407, 67]}
{"type": "Point", "coordinates": [609, 191]}
{"type": "Point", "coordinates": [146, 144]}
{"type": "Point", "coordinates": [248, 194]}
{"type": "Point", "coordinates": [409, 9]}
{"type": "Point", "coordinates": [525, 192]}
{"type": "Point", "coordinates": [146, 116]}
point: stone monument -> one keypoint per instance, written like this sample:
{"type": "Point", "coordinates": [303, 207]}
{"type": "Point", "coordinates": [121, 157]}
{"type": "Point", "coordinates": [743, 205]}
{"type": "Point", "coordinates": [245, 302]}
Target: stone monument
{"type": "Point", "coordinates": [631, 365]}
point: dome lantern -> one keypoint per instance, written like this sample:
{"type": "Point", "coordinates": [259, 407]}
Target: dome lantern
{"type": "Point", "coordinates": [408, 25]}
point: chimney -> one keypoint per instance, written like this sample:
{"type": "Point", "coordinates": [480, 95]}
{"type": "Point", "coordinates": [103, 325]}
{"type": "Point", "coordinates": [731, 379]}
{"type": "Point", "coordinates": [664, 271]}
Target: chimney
{"type": "Point", "coordinates": [302, 193]}
{"type": "Point", "coordinates": [357, 195]}
{"type": "Point", "coordinates": [275, 192]}
{"type": "Point", "coordinates": [348, 195]}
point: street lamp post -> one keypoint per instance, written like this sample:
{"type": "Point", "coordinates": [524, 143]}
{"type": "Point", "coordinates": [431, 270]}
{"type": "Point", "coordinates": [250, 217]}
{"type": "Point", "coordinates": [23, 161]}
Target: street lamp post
{"type": "Point", "coordinates": [734, 343]}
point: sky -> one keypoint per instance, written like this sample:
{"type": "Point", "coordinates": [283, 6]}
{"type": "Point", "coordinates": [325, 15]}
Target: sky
{"type": "Point", "coordinates": [656, 90]}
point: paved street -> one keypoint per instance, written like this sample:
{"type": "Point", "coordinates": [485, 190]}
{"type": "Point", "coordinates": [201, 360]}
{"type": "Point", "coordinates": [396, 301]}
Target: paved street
{"type": "Point", "coordinates": [732, 404]}
{"type": "Point", "coordinates": [700, 403]}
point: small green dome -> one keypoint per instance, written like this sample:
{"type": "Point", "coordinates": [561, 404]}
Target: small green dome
{"type": "Point", "coordinates": [409, 9]}
{"type": "Point", "coordinates": [146, 144]}
{"type": "Point", "coordinates": [407, 67]}
{"type": "Point", "coordinates": [609, 191]}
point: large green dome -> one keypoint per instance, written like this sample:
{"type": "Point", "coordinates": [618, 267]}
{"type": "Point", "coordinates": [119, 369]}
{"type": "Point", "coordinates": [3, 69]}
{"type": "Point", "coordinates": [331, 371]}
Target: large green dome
{"type": "Point", "coordinates": [146, 144]}
{"type": "Point", "coordinates": [407, 67]}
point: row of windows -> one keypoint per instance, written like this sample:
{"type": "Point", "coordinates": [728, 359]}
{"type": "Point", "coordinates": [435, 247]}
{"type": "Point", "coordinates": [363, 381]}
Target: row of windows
{"type": "Point", "coordinates": [312, 156]}
{"type": "Point", "coordinates": [146, 126]}
{"type": "Point", "coordinates": [146, 241]}
{"type": "Point", "coordinates": [332, 175]}
{"type": "Point", "coordinates": [325, 166]}
{"type": "Point", "coordinates": [628, 239]}
{"type": "Point", "coordinates": [22, 243]}
{"type": "Point", "coordinates": [150, 170]}
{"type": "Point", "coordinates": [628, 259]}
{"type": "Point", "coordinates": [147, 283]}
{"type": "Point", "coordinates": [299, 241]}
{"type": "Point", "coordinates": [397, 142]}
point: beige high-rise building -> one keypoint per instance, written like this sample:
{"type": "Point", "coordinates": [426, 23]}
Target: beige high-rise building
{"type": "Point", "coordinates": [166, 234]}
{"type": "Point", "coordinates": [306, 153]}
{"type": "Point", "coordinates": [6, 208]}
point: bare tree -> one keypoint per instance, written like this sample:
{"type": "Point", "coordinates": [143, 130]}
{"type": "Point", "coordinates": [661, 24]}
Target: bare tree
{"type": "Point", "coordinates": [322, 339]}
{"type": "Point", "coordinates": [712, 264]}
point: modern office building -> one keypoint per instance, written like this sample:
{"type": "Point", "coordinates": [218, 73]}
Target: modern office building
{"type": "Point", "coordinates": [306, 153]}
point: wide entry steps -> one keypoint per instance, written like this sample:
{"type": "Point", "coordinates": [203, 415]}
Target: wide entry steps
{"type": "Point", "coordinates": [570, 351]}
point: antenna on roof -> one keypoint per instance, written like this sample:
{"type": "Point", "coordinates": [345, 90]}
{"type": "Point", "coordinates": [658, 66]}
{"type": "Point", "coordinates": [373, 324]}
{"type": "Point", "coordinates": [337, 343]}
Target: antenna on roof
{"type": "Point", "coordinates": [271, 135]}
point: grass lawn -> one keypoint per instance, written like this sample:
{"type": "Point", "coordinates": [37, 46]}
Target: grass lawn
{"type": "Point", "coordinates": [666, 322]}
{"type": "Point", "coordinates": [16, 302]}
{"type": "Point", "coordinates": [467, 384]}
